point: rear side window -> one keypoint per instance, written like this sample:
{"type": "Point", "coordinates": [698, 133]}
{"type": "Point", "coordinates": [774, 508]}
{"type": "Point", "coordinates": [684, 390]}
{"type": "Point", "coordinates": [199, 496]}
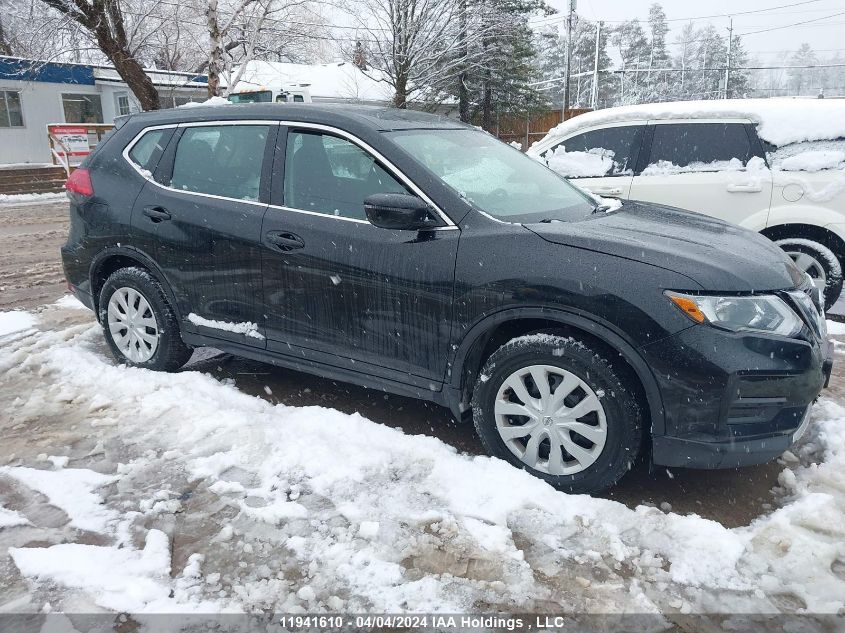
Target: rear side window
{"type": "Point", "coordinates": [609, 151]}
{"type": "Point", "coordinates": [691, 147]}
{"type": "Point", "coordinates": [148, 150]}
{"type": "Point", "coordinates": [221, 160]}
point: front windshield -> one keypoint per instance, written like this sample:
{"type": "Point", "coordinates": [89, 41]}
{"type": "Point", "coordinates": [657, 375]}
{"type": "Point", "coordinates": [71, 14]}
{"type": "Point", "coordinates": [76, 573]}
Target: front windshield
{"type": "Point", "coordinates": [263, 96]}
{"type": "Point", "coordinates": [498, 179]}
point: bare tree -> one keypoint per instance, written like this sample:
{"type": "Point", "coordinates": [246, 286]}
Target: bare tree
{"type": "Point", "coordinates": [242, 30]}
{"type": "Point", "coordinates": [104, 21]}
{"type": "Point", "coordinates": [415, 46]}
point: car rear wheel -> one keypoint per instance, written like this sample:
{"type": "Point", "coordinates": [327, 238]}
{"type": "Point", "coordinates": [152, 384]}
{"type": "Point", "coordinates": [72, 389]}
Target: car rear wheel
{"type": "Point", "coordinates": [139, 324]}
{"type": "Point", "coordinates": [558, 409]}
{"type": "Point", "coordinates": [818, 261]}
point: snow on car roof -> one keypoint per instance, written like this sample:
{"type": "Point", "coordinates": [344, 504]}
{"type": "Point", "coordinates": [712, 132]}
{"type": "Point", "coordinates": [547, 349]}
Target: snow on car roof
{"type": "Point", "coordinates": [780, 120]}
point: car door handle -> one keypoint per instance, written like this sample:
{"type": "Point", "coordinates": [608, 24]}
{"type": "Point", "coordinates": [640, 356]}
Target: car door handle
{"type": "Point", "coordinates": [748, 187]}
{"type": "Point", "coordinates": [610, 191]}
{"type": "Point", "coordinates": [157, 214]}
{"type": "Point", "coordinates": [285, 241]}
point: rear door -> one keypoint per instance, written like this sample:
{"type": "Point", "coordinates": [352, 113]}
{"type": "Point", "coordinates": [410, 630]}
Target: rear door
{"type": "Point", "coordinates": [712, 167]}
{"type": "Point", "coordinates": [600, 160]}
{"type": "Point", "coordinates": [339, 290]}
{"type": "Point", "coordinates": [203, 212]}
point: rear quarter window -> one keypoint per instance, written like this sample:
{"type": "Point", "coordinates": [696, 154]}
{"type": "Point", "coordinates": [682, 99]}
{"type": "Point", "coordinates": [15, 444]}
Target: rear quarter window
{"type": "Point", "coordinates": [809, 156]}
{"type": "Point", "coordinates": [147, 150]}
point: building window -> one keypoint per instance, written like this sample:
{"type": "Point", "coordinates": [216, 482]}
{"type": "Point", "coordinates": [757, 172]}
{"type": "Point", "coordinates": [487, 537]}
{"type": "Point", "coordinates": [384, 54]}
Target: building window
{"type": "Point", "coordinates": [123, 105]}
{"type": "Point", "coordinates": [11, 114]}
{"type": "Point", "coordinates": [81, 108]}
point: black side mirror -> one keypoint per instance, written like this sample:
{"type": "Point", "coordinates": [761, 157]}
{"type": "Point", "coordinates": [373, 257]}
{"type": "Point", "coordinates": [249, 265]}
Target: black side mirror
{"type": "Point", "coordinates": [399, 211]}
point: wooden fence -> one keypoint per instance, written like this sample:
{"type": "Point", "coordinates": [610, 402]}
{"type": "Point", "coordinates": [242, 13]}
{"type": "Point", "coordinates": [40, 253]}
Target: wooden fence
{"type": "Point", "coordinates": [530, 129]}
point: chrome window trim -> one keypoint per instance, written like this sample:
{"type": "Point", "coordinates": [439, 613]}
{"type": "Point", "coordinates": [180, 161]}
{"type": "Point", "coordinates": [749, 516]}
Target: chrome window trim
{"type": "Point", "coordinates": [315, 126]}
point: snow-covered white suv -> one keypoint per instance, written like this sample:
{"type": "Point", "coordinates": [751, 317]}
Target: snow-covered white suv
{"type": "Point", "coordinates": [776, 166]}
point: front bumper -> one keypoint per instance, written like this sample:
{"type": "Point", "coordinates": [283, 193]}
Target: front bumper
{"type": "Point", "coordinates": [734, 399]}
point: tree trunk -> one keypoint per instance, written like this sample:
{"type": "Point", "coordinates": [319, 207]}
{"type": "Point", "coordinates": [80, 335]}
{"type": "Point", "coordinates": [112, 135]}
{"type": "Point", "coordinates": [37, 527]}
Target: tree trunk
{"type": "Point", "coordinates": [463, 77]}
{"type": "Point", "coordinates": [400, 95]}
{"type": "Point", "coordinates": [487, 103]}
{"type": "Point", "coordinates": [132, 73]}
{"type": "Point", "coordinates": [215, 58]}
{"type": "Point", "coordinates": [104, 21]}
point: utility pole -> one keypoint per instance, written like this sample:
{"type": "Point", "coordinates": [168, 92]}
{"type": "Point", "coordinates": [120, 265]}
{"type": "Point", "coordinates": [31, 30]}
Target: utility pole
{"type": "Point", "coordinates": [594, 101]}
{"type": "Point", "coordinates": [728, 64]}
{"type": "Point", "coordinates": [565, 108]}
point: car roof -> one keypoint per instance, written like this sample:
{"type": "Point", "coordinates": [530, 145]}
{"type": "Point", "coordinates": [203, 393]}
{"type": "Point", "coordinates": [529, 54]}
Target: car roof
{"type": "Point", "coordinates": [375, 117]}
{"type": "Point", "coordinates": [780, 120]}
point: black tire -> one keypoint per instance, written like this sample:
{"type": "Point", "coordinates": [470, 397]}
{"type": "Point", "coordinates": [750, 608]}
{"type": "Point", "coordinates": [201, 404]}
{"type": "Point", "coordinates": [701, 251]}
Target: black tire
{"type": "Point", "coordinates": [171, 353]}
{"type": "Point", "coordinates": [621, 411]}
{"type": "Point", "coordinates": [825, 257]}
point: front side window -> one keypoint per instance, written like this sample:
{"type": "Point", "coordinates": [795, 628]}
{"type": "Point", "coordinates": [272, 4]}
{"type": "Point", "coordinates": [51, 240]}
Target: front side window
{"type": "Point", "coordinates": [81, 108]}
{"type": "Point", "coordinates": [606, 152]}
{"type": "Point", "coordinates": [329, 174]}
{"type": "Point", "coordinates": [494, 177]}
{"type": "Point", "coordinates": [221, 160]}
{"type": "Point", "coordinates": [694, 147]}
{"type": "Point", "coordinates": [11, 114]}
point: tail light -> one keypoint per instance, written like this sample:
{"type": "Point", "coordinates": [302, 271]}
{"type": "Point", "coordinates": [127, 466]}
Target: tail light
{"type": "Point", "coordinates": [80, 182]}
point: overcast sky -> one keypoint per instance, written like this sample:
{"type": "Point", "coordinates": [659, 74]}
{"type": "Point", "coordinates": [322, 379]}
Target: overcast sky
{"type": "Point", "coordinates": [824, 34]}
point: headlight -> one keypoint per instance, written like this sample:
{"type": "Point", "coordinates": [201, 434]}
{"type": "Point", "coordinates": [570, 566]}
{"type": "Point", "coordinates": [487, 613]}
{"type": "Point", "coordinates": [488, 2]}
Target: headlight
{"type": "Point", "coordinates": [760, 313]}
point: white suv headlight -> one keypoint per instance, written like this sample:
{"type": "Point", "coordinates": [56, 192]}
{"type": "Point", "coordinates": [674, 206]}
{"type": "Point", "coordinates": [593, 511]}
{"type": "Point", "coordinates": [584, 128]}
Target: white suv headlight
{"type": "Point", "coordinates": [757, 313]}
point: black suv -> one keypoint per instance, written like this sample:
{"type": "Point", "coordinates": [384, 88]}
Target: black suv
{"type": "Point", "coordinates": [412, 254]}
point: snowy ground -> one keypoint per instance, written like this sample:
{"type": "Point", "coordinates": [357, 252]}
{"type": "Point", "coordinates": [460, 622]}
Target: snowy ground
{"type": "Point", "coordinates": [131, 491]}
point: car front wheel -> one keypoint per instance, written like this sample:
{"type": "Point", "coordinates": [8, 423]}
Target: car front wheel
{"type": "Point", "coordinates": [558, 409]}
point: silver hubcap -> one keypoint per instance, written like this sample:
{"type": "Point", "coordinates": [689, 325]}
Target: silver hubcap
{"type": "Point", "coordinates": [132, 324]}
{"type": "Point", "coordinates": [550, 419]}
{"type": "Point", "coordinates": [811, 266]}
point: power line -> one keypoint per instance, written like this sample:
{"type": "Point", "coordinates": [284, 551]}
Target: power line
{"type": "Point", "coordinates": [787, 26]}
{"type": "Point", "coordinates": [707, 17]}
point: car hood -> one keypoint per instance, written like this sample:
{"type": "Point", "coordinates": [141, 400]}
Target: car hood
{"type": "Point", "coordinates": [716, 255]}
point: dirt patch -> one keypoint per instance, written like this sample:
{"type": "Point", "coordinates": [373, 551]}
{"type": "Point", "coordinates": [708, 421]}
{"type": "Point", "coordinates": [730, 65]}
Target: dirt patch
{"type": "Point", "coordinates": [30, 264]}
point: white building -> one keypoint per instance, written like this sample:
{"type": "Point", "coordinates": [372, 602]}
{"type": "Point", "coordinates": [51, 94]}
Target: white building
{"type": "Point", "coordinates": [34, 94]}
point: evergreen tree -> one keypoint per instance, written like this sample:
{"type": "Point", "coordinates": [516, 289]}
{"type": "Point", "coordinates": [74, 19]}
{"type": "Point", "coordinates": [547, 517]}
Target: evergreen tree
{"type": "Point", "coordinates": [803, 80]}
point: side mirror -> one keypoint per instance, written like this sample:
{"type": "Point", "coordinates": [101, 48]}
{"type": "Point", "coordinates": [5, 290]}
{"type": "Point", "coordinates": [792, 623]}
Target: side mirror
{"type": "Point", "coordinates": [399, 211]}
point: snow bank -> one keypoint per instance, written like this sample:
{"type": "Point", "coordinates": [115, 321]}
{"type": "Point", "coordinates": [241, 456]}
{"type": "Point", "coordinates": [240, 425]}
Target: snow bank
{"type": "Point", "coordinates": [69, 301]}
{"type": "Point", "coordinates": [10, 518]}
{"type": "Point", "coordinates": [125, 580]}
{"type": "Point", "coordinates": [781, 121]}
{"type": "Point", "coordinates": [29, 198]}
{"type": "Point", "coordinates": [16, 321]}
{"type": "Point", "coordinates": [355, 516]}
{"type": "Point", "coordinates": [71, 490]}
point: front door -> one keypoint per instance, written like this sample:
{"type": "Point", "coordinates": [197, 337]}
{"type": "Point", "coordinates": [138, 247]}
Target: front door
{"type": "Point", "coordinates": [339, 290]}
{"type": "Point", "coordinates": [708, 167]}
{"type": "Point", "coordinates": [205, 221]}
